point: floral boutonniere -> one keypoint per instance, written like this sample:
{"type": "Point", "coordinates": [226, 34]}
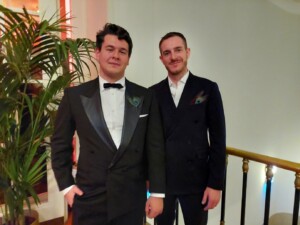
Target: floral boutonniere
{"type": "Point", "coordinates": [199, 98]}
{"type": "Point", "coordinates": [135, 101]}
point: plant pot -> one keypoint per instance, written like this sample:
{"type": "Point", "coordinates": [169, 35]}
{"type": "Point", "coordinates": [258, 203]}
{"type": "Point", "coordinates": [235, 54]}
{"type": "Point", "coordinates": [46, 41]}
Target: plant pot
{"type": "Point", "coordinates": [31, 218]}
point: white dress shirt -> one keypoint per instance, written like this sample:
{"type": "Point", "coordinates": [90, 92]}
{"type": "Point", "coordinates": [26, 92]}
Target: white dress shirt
{"type": "Point", "coordinates": [113, 105]}
{"type": "Point", "coordinates": [177, 89]}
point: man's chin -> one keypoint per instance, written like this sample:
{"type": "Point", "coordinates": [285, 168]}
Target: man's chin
{"type": "Point", "coordinates": [174, 69]}
{"type": "Point", "coordinates": [174, 72]}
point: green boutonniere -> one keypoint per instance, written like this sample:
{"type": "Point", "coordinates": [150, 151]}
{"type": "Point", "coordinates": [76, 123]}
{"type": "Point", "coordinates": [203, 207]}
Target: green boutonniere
{"type": "Point", "coordinates": [135, 101]}
{"type": "Point", "coordinates": [199, 98]}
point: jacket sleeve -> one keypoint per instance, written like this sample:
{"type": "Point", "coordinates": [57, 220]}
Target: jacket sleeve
{"type": "Point", "coordinates": [217, 137]}
{"type": "Point", "coordinates": [61, 144]}
{"type": "Point", "coordinates": [155, 147]}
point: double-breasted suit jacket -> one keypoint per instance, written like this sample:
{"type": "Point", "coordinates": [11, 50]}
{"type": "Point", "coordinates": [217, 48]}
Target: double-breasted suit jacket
{"type": "Point", "coordinates": [103, 170]}
{"type": "Point", "coordinates": [195, 136]}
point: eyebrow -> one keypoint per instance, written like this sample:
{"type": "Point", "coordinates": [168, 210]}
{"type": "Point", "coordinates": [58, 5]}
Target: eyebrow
{"type": "Point", "coordinates": [175, 48]}
{"type": "Point", "coordinates": [124, 49]}
{"type": "Point", "coordinates": [179, 47]}
{"type": "Point", "coordinates": [112, 46]}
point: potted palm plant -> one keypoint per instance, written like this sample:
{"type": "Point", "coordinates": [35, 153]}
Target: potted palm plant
{"type": "Point", "coordinates": [30, 49]}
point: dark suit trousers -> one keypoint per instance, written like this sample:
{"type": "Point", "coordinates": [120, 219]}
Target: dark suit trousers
{"type": "Point", "coordinates": [92, 210]}
{"type": "Point", "coordinates": [132, 218]}
{"type": "Point", "coordinates": [191, 206]}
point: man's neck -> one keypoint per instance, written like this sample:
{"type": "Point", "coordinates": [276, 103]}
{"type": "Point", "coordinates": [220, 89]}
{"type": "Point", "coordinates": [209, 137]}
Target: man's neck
{"type": "Point", "coordinates": [175, 78]}
{"type": "Point", "coordinates": [111, 79]}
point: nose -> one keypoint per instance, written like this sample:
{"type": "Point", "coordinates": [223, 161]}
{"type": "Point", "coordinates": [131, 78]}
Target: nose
{"type": "Point", "coordinates": [173, 55]}
{"type": "Point", "coordinates": [116, 54]}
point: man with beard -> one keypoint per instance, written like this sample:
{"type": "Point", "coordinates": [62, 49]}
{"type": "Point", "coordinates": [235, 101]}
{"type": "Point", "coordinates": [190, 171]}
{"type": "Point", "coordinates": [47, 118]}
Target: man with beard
{"type": "Point", "coordinates": [194, 128]}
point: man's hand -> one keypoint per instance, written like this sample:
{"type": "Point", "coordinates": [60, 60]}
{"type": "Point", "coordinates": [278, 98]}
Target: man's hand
{"type": "Point", "coordinates": [154, 207]}
{"type": "Point", "coordinates": [69, 196]}
{"type": "Point", "coordinates": [211, 198]}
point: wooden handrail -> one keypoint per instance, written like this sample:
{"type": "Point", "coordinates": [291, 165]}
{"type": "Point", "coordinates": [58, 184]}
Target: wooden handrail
{"type": "Point", "coordinates": [268, 160]}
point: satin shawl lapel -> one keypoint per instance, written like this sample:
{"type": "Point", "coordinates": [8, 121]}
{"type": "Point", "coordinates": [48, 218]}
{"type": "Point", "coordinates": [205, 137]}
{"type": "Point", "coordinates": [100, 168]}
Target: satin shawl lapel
{"type": "Point", "coordinates": [133, 107]}
{"type": "Point", "coordinates": [93, 109]}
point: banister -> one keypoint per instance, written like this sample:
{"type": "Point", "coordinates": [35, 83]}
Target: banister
{"type": "Point", "coordinates": [281, 163]}
{"type": "Point", "coordinates": [269, 162]}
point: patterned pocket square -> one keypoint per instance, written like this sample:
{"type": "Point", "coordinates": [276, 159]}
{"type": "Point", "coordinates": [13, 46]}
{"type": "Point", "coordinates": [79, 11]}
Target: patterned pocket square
{"type": "Point", "coordinates": [199, 98]}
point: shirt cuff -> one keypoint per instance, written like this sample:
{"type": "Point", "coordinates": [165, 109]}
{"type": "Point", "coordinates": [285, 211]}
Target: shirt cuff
{"type": "Point", "coordinates": [66, 190]}
{"type": "Point", "coordinates": [158, 195]}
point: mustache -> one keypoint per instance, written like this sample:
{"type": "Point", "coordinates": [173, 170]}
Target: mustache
{"type": "Point", "coordinates": [175, 61]}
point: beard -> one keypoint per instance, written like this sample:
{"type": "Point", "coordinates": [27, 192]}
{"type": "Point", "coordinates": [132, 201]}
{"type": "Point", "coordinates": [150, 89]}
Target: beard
{"type": "Point", "coordinates": [180, 70]}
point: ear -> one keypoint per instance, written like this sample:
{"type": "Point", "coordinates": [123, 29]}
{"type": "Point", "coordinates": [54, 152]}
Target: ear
{"type": "Point", "coordinates": [160, 57]}
{"type": "Point", "coordinates": [188, 52]}
{"type": "Point", "coordinates": [97, 53]}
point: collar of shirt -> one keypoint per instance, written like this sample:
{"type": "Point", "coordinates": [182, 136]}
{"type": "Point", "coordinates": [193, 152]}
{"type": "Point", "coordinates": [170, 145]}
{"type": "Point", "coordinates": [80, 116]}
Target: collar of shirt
{"type": "Point", "coordinates": [177, 89]}
{"type": "Point", "coordinates": [182, 80]}
{"type": "Point", "coordinates": [102, 81]}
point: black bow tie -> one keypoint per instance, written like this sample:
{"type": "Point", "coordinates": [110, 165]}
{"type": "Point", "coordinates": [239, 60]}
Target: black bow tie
{"type": "Point", "coordinates": [112, 85]}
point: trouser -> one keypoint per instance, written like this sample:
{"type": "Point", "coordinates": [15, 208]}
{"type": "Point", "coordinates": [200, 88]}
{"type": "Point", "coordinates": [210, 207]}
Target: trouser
{"type": "Point", "coordinates": [191, 206]}
{"type": "Point", "coordinates": [93, 211]}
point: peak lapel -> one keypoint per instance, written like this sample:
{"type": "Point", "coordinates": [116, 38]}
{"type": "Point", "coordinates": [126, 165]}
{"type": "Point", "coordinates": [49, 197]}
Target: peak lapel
{"type": "Point", "coordinates": [93, 110]}
{"type": "Point", "coordinates": [173, 113]}
{"type": "Point", "coordinates": [166, 97]}
{"type": "Point", "coordinates": [185, 99]}
{"type": "Point", "coordinates": [188, 93]}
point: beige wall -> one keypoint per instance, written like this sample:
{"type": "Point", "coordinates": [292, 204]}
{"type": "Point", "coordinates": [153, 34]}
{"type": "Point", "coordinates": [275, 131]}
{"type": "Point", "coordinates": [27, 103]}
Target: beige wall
{"type": "Point", "coordinates": [89, 17]}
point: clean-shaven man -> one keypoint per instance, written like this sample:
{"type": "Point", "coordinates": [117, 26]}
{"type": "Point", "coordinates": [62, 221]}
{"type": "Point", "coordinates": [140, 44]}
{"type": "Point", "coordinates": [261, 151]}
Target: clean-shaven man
{"type": "Point", "coordinates": [121, 142]}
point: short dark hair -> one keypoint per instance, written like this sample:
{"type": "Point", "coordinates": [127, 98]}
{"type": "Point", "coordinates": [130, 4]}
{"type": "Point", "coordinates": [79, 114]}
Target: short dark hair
{"type": "Point", "coordinates": [116, 30]}
{"type": "Point", "coordinates": [173, 34]}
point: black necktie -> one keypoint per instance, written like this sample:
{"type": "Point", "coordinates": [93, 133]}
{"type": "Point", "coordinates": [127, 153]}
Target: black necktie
{"type": "Point", "coordinates": [112, 85]}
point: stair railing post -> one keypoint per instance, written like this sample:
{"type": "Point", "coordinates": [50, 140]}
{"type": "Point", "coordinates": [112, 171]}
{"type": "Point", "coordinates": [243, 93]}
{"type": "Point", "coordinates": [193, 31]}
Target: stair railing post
{"type": "Point", "coordinates": [296, 199]}
{"type": "Point", "coordinates": [269, 176]}
{"type": "Point", "coordinates": [223, 200]}
{"type": "Point", "coordinates": [244, 190]}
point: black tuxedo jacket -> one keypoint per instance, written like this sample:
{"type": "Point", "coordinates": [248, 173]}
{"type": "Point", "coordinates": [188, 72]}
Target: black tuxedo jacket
{"type": "Point", "coordinates": [195, 136]}
{"type": "Point", "coordinates": [120, 174]}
